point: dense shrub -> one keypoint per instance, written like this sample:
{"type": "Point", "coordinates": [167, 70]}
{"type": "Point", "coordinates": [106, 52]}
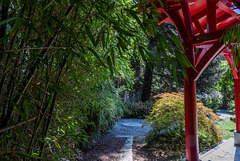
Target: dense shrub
{"type": "Point", "coordinates": [167, 119]}
{"type": "Point", "coordinates": [78, 123]}
{"type": "Point", "coordinates": [211, 100]}
{"type": "Point", "coordinates": [138, 109]}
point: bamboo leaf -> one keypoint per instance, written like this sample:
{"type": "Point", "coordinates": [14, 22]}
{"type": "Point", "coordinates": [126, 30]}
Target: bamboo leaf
{"type": "Point", "coordinates": [165, 43]}
{"type": "Point", "coordinates": [120, 30]}
{"type": "Point", "coordinates": [16, 26]}
{"type": "Point", "coordinates": [89, 33]}
{"type": "Point", "coordinates": [30, 156]}
{"type": "Point", "coordinates": [150, 57]}
{"type": "Point", "coordinates": [113, 56]}
{"type": "Point", "coordinates": [110, 65]}
{"type": "Point", "coordinates": [142, 53]}
{"type": "Point", "coordinates": [97, 56]}
{"type": "Point", "coordinates": [174, 70]}
{"type": "Point", "coordinates": [3, 22]}
{"type": "Point", "coordinates": [151, 2]}
{"type": "Point", "coordinates": [156, 13]}
{"type": "Point", "coordinates": [50, 28]}
{"type": "Point", "coordinates": [134, 15]}
{"type": "Point", "coordinates": [176, 40]}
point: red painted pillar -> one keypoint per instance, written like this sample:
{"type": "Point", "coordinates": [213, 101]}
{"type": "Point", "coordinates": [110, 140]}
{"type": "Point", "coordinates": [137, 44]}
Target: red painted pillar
{"type": "Point", "coordinates": [237, 104]}
{"type": "Point", "coordinates": [190, 110]}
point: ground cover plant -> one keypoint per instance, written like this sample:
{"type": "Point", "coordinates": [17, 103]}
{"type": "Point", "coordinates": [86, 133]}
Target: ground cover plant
{"type": "Point", "coordinates": [228, 126]}
{"type": "Point", "coordinates": [168, 130]}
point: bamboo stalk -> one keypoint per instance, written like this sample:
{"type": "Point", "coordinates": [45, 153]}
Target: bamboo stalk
{"type": "Point", "coordinates": [18, 124]}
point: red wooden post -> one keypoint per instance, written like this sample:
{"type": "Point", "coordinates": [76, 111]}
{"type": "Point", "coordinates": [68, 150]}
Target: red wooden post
{"type": "Point", "coordinates": [190, 110]}
{"type": "Point", "coordinates": [237, 104]}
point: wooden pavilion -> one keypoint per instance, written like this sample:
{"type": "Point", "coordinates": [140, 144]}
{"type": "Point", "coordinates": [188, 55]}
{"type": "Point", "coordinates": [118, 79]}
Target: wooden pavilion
{"type": "Point", "coordinates": [201, 24]}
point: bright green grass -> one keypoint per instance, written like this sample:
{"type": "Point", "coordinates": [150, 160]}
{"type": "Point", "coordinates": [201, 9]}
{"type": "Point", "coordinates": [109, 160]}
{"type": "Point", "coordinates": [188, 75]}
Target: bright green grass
{"type": "Point", "coordinates": [228, 127]}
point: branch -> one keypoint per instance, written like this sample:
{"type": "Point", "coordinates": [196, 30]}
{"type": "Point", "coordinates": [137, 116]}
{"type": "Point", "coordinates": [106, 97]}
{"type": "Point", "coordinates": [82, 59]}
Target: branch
{"type": "Point", "coordinates": [18, 124]}
{"type": "Point", "coordinates": [8, 51]}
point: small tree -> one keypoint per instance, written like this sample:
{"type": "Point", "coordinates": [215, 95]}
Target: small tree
{"type": "Point", "coordinates": [167, 117]}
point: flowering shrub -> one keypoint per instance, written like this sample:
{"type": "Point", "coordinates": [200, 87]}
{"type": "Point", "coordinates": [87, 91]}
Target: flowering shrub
{"type": "Point", "coordinates": [167, 119]}
{"type": "Point", "coordinates": [212, 100]}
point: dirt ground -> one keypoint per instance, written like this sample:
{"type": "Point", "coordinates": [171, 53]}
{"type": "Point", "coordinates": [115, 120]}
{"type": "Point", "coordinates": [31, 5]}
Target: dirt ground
{"type": "Point", "coordinates": [107, 149]}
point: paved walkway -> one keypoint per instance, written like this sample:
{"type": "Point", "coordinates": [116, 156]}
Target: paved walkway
{"type": "Point", "coordinates": [129, 128]}
{"type": "Point", "coordinates": [223, 114]}
{"type": "Point", "coordinates": [225, 151]}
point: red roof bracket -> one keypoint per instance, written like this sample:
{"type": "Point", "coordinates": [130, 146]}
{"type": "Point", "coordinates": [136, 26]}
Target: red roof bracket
{"type": "Point", "coordinates": [208, 57]}
{"type": "Point", "coordinates": [178, 22]}
{"type": "Point", "coordinates": [231, 62]}
{"type": "Point", "coordinates": [208, 37]}
{"type": "Point", "coordinates": [211, 16]}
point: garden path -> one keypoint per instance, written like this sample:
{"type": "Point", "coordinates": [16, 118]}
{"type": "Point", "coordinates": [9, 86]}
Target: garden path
{"type": "Point", "coordinates": [120, 138]}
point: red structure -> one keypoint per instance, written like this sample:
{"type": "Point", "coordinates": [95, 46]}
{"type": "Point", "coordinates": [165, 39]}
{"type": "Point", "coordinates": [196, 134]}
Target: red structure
{"type": "Point", "coordinates": [201, 24]}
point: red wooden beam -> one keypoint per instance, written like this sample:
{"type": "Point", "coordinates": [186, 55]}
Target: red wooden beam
{"type": "Point", "coordinates": [191, 134]}
{"type": "Point", "coordinates": [199, 27]}
{"type": "Point", "coordinates": [211, 15]}
{"type": "Point", "coordinates": [220, 17]}
{"type": "Point", "coordinates": [221, 4]}
{"type": "Point", "coordinates": [208, 37]}
{"type": "Point", "coordinates": [237, 104]}
{"type": "Point", "coordinates": [187, 21]}
{"type": "Point", "coordinates": [231, 62]}
{"type": "Point", "coordinates": [178, 22]}
{"type": "Point", "coordinates": [199, 55]}
{"type": "Point", "coordinates": [204, 46]}
{"type": "Point", "coordinates": [208, 57]}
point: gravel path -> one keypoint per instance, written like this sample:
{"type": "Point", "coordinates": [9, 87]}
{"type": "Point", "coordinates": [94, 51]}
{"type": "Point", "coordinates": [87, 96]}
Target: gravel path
{"type": "Point", "coordinates": [116, 145]}
{"type": "Point", "coordinates": [223, 114]}
{"type": "Point", "coordinates": [130, 127]}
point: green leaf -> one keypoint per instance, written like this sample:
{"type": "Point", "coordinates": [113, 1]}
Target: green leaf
{"type": "Point", "coordinates": [151, 2]}
{"type": "Point", "coordinates": [113, 56]}
{"type": "Point", "coordinates": [30, 156]}
{"type": "Point", "coordinates": [156, 13]}
{"type": "Point", "coordinates": [176, 40]}
{"type": "Point", "coordinates": [50, 28]}
{"type": "Point", "coordinates": [160, 1]}
{"type": "Point", "coordinates": [165, 43]}
{"type": "Point", "coordinates": [16, 26]}
{"type": "Point", "coordinates": [134, 15]}
{"type": "Point", "coordinates": [100, 35]}
{"type": "Point", "coordinates": [122, 31]}
{"type": "Point", "coordinates": [2, 22]}
{"type": "Point", "coordinates": [89, 33]}
{"type": "Point", "coordinates": [122, 44]}
{"type": "Point", "coordinates": [174, 70]}
{"type": "Point", "coordinates": [110, 65]}
{"type": "Point", "coordinates": [150, 57]}
{"type": "Point", "coordinates": [140, 49]}
{"type": "Point", "coordinates": [97, 56]}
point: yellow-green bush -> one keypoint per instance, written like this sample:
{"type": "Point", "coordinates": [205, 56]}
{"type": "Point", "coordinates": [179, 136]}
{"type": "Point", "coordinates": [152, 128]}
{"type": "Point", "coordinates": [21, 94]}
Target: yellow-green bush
{"type": "Point", "coordinates": [167, 117]}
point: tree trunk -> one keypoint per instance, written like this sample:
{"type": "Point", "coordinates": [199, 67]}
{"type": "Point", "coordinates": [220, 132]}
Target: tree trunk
{"type": "Point", "coordinates": [147, 82]}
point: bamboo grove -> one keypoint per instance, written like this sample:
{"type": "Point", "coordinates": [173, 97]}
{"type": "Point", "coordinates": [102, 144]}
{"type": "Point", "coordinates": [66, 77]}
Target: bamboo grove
{"type": "Point", "coordinates": [53, 53]}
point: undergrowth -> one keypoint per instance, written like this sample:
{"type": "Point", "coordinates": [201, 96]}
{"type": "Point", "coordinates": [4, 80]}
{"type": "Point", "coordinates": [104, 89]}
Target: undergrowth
{"type": "Point", "coordinates": [168, 126]}
{"type": "Point", "coordinates": [138, 109]}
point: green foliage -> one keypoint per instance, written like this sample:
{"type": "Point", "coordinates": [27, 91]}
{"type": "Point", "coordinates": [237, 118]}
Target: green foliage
{"type": "Point", "coordinates": [137, 109]}
{"type": "Point", "coordinates": [167, 119]}
{"type": "Point", "coordinates": [79, 122]}
{"type": "Point", "coordinates": [228, 126]}
{"type": "Point", "coordinates": [58, 52]}
{"type": "Point", "coordinates": [211, 100]}
{"type": "Point", "coordinates": [226, 87]}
